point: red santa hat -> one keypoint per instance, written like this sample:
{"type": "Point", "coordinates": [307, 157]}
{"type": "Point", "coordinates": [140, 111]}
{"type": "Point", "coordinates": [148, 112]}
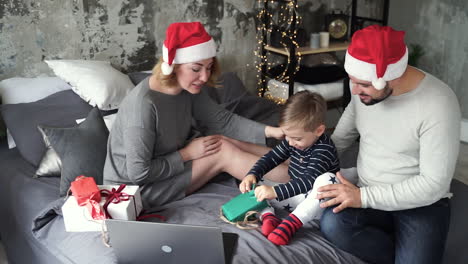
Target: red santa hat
{"type": "Point", "coordinates": [377, 54]}
{"type": "Point", "coordinates": [184, 43]}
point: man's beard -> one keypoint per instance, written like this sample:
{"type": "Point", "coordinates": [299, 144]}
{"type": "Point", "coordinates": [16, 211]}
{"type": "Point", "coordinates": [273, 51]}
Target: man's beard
{"type": "Point", "coordinates": [374, 101]}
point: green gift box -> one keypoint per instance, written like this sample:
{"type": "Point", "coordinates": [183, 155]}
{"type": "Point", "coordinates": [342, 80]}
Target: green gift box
{"type": "Point", "coordinates": [235, 209]}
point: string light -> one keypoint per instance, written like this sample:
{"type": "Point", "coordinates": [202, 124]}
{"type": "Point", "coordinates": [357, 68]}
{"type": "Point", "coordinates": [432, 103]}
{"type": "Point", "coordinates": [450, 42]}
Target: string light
{"type": "Point", "coordinates": [285, 16]}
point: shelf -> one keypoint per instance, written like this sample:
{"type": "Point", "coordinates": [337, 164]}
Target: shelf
{"type": "Point", "coordinates": [293, 53]}
{"type": "Point", "coordinates": [301, 51]}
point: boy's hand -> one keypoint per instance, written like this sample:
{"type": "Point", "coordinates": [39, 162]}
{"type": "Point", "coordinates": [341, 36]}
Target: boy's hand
{"type": "Point", "coordinates": [265, 192]}
{"type": "Point", "coordinates": [246, 183]}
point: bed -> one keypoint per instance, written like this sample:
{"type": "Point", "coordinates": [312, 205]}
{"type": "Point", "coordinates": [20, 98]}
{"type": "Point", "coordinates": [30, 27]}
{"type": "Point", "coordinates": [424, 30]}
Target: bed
{"type": "Point", "coordinates": [32, 227]}
{"type": "Point", "coordinates": [49, 243]}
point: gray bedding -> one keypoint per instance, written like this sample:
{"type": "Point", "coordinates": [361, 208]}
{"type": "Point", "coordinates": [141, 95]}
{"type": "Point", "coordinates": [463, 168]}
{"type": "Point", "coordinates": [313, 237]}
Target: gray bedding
{"type": "Point", "coordinates": [23, 199]}
{"type": "Point", "coordinates": [33, 229]}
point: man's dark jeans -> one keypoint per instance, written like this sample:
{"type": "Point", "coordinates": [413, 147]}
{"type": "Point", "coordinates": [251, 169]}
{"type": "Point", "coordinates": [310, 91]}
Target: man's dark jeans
{"type": "Point", "coordinates": [407, 236]}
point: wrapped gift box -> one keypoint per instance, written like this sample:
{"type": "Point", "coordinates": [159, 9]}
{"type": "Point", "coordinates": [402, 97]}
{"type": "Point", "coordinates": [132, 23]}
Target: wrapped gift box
{"type": "Point", "coordinates": [235, 209]}
{"type": "Point", "coordinates": [279, 91]}
{"type": "Point", "coordinates": [78, 218]}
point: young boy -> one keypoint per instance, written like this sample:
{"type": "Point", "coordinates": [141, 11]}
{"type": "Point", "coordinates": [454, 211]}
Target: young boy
{"type": "Point", "coordinates": [313, 162]}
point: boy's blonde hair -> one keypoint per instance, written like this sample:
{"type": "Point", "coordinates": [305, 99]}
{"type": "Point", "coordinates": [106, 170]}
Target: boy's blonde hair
{"type": "Point", "coordinates": [171, 79]}
{"type": "Point", "coordinates": [304, 109]}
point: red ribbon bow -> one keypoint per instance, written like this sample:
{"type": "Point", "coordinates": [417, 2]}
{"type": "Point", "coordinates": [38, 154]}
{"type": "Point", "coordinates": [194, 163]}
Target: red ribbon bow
{"type": "Point", "coordinates": [114, 196]}
{"type": "Point", "coordinates": [95, 209]}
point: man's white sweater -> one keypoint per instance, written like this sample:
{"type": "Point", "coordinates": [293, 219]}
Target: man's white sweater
{"type": "Point", "coordinates": [408, 145]}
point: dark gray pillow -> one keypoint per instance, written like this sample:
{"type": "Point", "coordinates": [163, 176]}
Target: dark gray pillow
{"type": "Point", "coordinates": [233, 96]}
{"type": "Point", "coordinates": [137, 77]}
{"type": "Point", "coordinates": [51, 165]}
{"type": "Point", "coordinates": [81, 149]}
{"type": "Point", "coordinates": [58, 110]}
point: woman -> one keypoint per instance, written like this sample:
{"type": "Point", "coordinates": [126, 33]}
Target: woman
{"type": "Point", "coordinates": [151, 143]}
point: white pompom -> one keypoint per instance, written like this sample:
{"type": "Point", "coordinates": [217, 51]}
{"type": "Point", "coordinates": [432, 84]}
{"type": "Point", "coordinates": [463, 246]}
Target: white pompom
{"type": "Point", "coordinates": [379, 84]}
{"type": "Point", "coordinates": [166, 68]}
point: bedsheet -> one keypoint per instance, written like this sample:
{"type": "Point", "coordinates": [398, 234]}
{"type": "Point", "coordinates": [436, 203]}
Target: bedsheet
{"type": "Point", "coordinates": [24, 199]}
{"type": "Point", "coordinates": [33, 231]}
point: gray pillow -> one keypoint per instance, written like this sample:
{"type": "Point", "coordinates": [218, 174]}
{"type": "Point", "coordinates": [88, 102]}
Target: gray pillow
{"type": "Point", "coordinates": [24, 90]}
{"type": "Point", "coordinates": [60, 109]}
{"type": "Point", "coordinates": [81, 149]}
{"type": "Point", "coordinates": [137, 77]}
{"type": "Point", "coordinates": [51, 165]}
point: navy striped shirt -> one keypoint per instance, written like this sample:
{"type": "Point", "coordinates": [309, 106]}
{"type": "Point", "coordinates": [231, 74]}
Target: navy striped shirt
{"type": "Point", "coordinates": [304, 167]}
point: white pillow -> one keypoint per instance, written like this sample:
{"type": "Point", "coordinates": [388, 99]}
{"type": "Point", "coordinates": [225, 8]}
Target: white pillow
{"type": "Point", "coordinates": [25, 90]}
{"type": "Point", "coordinates": [97, 82]}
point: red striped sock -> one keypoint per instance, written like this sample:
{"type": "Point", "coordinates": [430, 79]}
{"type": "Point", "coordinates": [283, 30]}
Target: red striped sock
{"type": "Point", "coordinates": [269, 223]}
{"type": "Point", "coordinates": [285, 231]}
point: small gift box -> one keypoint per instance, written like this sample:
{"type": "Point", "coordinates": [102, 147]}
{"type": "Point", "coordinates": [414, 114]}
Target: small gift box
{"type": "Point", "coordinates": [237, 207]}
{"type": "Point", "coordinates": [279, 91]}
{"type": "Point", "coordinates": [84, 188]}
{"type": "Point", "coordinates": [118, 202]}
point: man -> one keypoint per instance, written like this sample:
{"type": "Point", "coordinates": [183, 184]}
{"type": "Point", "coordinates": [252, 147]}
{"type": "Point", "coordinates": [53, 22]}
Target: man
{"type": "Point", "coordinates": [408, 125]}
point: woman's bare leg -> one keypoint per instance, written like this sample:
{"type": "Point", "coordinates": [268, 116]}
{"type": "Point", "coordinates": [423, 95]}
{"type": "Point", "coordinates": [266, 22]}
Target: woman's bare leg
{"type": "Point", "coordinates": [233, 160]}
{"type": "Point", "coordinates": [257, 150]}
{"type": "Point", "coordinates": [252, 148]}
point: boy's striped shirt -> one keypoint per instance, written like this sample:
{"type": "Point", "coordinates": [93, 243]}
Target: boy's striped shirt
{"type": "Point", "coordinates": [304, 167]}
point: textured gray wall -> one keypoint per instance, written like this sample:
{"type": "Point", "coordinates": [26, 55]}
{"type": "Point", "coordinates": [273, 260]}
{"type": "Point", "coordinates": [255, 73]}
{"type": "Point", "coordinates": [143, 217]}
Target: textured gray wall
{"type": "Point", "coordinates": [441, 27]}
{"type": "Point", "coordinates": [128, 33]}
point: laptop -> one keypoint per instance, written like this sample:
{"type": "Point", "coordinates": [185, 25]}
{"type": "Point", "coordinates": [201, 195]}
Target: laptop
{"type": "Point", "coordinates": [148, 242]}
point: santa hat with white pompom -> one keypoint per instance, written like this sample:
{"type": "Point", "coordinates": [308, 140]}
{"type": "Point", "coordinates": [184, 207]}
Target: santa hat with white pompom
{"type": "Point", "coordinates": [185, 43]}
{"type": "Point", "coordinates": [377, 54]}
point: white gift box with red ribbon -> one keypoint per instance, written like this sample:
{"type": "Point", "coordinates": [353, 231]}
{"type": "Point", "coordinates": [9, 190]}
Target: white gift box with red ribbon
{"type": "Point", "coordinates": [125, 205]}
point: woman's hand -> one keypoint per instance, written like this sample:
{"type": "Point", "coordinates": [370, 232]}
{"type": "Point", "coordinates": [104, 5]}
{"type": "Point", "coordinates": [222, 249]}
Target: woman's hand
{"type": "Point", "coordinates": [274, 132]}
{"type": "Point", "coordinates": [246, 183]}
{"type": "Point", "coordinates": [265, 192]}
{"type": "Point", "coordinates": [200, 147]}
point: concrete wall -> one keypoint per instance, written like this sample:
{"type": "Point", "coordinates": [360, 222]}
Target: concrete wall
{"type": "Point", "coordinates": [128, 33]}
{"type": "Point", "coordinates": [441, 27]}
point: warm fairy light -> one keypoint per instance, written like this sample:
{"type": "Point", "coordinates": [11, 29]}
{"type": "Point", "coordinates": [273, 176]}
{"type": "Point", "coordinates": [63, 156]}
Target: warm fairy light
{"type": "Point", "coordinates": [285, 14]}
{"type": "Point", "coordinates": [275, 99]}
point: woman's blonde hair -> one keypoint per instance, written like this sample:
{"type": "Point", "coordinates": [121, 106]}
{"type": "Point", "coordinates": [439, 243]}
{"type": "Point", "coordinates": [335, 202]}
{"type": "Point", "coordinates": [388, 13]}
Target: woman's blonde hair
{"type": "Point", "coordinates": [304, 109]}
{"type": "Point", "coordinates": [171, 79]}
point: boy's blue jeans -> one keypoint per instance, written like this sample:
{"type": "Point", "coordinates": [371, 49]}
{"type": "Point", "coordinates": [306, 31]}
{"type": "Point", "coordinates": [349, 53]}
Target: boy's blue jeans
{"type": "Point", "coordinates": [407, 236]}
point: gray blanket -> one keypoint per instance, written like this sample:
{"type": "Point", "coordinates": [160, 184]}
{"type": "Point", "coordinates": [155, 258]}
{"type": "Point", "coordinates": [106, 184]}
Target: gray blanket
{"type": "Point", "coordinates": [31, 204]}
{"type": "Point", "coordinates": [201, 208]}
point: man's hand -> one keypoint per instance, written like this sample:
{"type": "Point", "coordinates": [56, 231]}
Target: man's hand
{"type": "Point", "coordinates": [345, 194]}
{"type": "Point", "coordinates": [246, 183]}
{"type": "Point", "coordinates": [274, 132]}
{"type": "Point", "coordinates": [265, 192]}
